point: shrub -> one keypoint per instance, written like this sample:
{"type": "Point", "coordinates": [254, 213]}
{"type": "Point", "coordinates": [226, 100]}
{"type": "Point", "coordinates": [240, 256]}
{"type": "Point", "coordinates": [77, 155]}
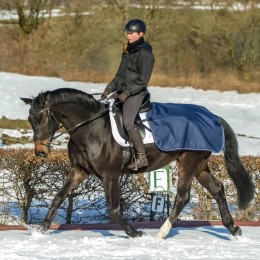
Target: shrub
{"type": "Point", "coordinates": [28, 184]}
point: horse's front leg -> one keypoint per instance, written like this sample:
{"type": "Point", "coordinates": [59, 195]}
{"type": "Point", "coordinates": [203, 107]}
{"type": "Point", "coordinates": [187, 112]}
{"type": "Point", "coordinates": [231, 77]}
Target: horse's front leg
{"type": "Point", "coordinates": [73, 180]}
{"type": "Point", "coordinates": [112, 191]}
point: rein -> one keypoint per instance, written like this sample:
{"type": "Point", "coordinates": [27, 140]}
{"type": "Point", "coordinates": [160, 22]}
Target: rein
{"type": "Point", "coordinates": [74, 128]}
{"type": "Point", "coordinates": [85, 122]}
{"type": "Point", "coordinates": [70, 131]}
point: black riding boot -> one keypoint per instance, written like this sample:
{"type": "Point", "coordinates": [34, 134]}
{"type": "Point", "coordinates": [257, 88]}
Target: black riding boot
{"type": "Point", "coordinates": [141, 160]}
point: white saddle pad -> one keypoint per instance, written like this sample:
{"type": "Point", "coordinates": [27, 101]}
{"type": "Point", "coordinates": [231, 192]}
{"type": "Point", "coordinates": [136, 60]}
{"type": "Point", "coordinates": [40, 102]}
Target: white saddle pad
{"type": "Point", "coordinates": [148, 137]}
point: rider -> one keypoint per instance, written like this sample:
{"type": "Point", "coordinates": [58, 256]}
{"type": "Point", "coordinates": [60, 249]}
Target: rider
{"type": "Point", "coordinates": [130, 83]}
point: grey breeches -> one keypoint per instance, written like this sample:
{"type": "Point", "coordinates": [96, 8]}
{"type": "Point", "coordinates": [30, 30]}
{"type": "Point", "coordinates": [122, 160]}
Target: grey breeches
{"type": "Point", "coordinates": [130, 109]}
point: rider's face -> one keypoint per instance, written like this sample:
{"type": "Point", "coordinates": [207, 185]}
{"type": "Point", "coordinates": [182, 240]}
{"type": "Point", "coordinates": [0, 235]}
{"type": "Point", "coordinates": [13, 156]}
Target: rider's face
{"type": "Point", "coordinates": [134, 36]}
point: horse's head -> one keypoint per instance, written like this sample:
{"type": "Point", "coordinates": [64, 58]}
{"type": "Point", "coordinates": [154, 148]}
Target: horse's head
{"type": "Point", "coordinates": [43, 122]}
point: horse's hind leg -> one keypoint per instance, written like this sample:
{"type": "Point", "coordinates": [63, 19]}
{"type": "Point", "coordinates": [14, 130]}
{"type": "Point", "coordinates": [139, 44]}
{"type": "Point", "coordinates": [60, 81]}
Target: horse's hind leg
{"type": "Point", "coordinates": [216, 189]}
{"type": "Point", "coordinates": [112, 191]}
{"type": "Point", "coordinates": [188, 165]}
{"type": "Point", "coordinates": [181, 200]}
{"type": "Point", "coordinates": [73, 180]}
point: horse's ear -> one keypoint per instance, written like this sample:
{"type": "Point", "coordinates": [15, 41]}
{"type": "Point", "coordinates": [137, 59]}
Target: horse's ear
{"type": "Point", "coordinates": [42, 99]}
{"type": "Point", "coordinates": [27, 101]}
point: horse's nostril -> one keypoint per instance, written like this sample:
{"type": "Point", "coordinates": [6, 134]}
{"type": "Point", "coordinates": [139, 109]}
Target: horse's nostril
{"type": "Point", "coordinates": [42, 154]}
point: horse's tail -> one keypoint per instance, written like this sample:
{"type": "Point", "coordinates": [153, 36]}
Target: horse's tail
{"type": "Point", "coordinates": [237, 172]}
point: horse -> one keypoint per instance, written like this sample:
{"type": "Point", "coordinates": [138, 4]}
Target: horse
{"type": "Point", "coordinates": [93, 150]}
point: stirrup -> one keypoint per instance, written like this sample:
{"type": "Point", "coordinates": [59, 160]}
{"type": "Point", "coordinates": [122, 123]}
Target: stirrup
{"type": "Point", "coordinates": [142, 160]}
{"type": "Point", "coordinates": [138, 163]}
{"type": "Point", "coordinates": [133, 165]}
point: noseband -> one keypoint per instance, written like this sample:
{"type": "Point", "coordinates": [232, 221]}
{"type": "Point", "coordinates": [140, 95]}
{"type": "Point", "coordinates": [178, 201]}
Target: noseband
{"type": "Point", "coordinates": [50, 136]}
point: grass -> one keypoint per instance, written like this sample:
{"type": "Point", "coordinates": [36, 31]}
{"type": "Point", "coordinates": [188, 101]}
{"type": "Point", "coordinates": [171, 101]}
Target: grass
{"type": "Point", "coordinates": [221, 81]}
{"type": "Point", "coordinates": [16, 124]}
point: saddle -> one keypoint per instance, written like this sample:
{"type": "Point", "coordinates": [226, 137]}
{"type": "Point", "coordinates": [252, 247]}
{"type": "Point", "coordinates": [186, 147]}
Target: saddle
{"type": "Point", "coordinates": [118, 114]}
{"type": "Point", "coordinates": [116, 118]}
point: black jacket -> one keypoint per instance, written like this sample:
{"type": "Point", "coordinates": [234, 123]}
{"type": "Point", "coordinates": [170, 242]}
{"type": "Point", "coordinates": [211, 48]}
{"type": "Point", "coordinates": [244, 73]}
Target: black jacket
{"type": "Point", "coordinates": [134, 71]}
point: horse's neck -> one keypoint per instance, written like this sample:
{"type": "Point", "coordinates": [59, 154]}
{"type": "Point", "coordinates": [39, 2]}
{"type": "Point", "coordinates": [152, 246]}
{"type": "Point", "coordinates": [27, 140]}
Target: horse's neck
{"type": "Point", "coordinates": [74, 114]}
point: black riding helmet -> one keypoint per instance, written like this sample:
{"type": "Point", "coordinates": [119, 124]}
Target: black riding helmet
{"type": "Point", "coordinates": [135, 25]}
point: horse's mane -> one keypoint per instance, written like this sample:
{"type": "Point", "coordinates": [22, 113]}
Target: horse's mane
{"type": "Point", "coordinates": [69, 95]}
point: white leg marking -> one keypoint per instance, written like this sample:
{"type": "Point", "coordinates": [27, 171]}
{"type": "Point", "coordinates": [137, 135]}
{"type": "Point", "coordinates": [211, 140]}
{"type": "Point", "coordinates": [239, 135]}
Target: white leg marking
{"type": "Point", "coordinates": [165, 229]}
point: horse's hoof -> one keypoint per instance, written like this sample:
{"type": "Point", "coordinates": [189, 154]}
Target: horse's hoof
{"type": "Point", "coordinates": [42, 228]}
{"type": "Point", "coordinates": [36, 228]}
{"type": "Point", "coordinates": [136, 234]}
{"type": "Point", "coordinates": [140, 233]}
{"type": "Point", "coordinates": [238, 232]}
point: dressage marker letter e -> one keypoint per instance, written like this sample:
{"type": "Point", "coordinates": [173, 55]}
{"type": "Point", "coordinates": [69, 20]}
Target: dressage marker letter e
{"type": "Point", "coordinates": [158, 204]}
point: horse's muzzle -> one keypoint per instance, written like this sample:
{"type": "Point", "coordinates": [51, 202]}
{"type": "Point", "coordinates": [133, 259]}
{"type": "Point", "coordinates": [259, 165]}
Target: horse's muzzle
{"type": "Point", "coordinates": [41, 154]}
{"type": "Point", "coordinates": [42, 148]}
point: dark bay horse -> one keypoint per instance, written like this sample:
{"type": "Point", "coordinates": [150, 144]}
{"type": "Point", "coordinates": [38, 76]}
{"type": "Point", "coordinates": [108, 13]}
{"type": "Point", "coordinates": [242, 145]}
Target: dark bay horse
{"type": "Point", "coordinates": [93, 150]}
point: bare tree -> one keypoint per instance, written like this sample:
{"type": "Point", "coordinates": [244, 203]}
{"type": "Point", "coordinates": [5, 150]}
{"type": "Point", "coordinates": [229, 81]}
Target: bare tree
{"type": "Point", "coordinates": [31, 13]}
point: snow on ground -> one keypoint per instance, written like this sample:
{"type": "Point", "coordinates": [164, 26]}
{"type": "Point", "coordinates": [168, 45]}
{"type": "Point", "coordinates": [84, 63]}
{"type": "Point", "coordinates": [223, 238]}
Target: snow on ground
{"type": "Point", "coordinates": [209, 242]}
{"type": "Point", "coordinates": [240, 110]}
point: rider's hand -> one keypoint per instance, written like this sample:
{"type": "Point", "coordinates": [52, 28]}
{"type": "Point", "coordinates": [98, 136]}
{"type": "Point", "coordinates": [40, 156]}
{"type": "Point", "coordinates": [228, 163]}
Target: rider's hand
{"type": "Point", "coordinates": [123, 96]}
{"type": "Point", "coordinates": [104, 95]}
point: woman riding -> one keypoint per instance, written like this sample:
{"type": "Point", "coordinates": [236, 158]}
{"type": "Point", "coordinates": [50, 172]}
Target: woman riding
{"type": "Point", "coordinates": [130, 84]}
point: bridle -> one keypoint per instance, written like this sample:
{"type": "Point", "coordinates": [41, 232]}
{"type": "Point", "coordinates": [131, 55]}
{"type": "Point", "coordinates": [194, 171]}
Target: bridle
{"type": "Point", "coordinates": [50, 136]}
{"type": "Point", "coordinates": [51, 131]}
